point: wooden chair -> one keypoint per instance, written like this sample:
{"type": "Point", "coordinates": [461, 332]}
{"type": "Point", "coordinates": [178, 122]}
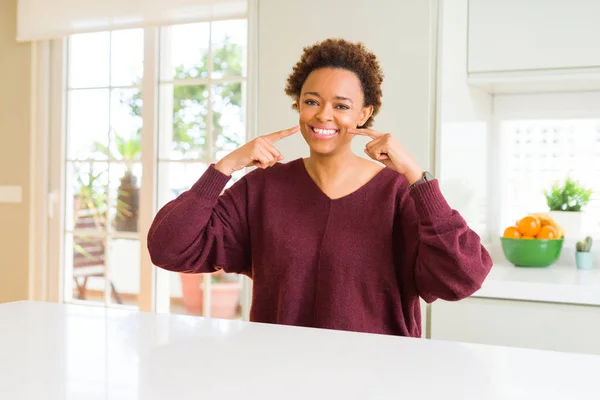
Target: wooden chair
{"type": "Point", "coordinates": [89, 252]}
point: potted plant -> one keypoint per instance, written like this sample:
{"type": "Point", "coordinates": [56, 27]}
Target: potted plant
{"type": "Point", "coordinates": [125, 149]}
{"type": "Point", "coordinates": [566, 203]}
{"type": "Point", "coordinates": [225, 293]}
{"type": "Point", "coordinates": [89, 213]}
{"type": "Point", "coordinates": [584, 256]}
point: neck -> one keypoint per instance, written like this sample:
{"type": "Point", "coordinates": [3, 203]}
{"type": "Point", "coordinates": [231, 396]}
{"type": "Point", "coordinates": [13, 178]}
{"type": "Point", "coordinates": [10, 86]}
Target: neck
{"type": "Point", "coordinates": [330, 168]}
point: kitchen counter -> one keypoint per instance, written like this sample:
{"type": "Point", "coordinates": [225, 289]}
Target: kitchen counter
{"type": "Point", "coordinates": [51, 351]}
{"type": "Point", "coordinates": [556, 284]}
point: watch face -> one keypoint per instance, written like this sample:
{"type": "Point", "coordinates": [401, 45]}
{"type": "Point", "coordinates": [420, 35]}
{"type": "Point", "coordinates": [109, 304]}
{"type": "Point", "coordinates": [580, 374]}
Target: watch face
{"type": "Point", "coordinates": [428, 177]}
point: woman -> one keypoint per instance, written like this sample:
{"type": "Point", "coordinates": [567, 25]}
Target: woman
{"type": "Point", "coordinates": [334, 240]}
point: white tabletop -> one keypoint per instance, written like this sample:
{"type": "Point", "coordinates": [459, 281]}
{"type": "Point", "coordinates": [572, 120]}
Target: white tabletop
{"type": "Point", "coordinates": [50, 351]}
{"type": "Point", "coordinates": [556, 283]}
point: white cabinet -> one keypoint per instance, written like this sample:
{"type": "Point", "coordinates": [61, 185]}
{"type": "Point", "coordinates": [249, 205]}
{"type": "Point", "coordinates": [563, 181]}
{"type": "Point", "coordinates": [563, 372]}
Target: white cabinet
{"type": "Point", "coordinates": [534, 45]}
{"type": "Point", "coordinates": [518, 35]}
{"type": "Point", "coordinates": [549, 326]}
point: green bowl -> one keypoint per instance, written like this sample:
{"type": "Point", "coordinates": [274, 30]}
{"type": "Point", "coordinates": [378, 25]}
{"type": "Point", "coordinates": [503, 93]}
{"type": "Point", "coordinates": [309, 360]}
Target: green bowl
{"type": "Point", "coordinates": [531, 252]}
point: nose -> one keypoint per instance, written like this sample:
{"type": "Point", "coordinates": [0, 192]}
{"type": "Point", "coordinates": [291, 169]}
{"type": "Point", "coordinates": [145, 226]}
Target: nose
{"type": "Point", "coordinates": [325, 113]}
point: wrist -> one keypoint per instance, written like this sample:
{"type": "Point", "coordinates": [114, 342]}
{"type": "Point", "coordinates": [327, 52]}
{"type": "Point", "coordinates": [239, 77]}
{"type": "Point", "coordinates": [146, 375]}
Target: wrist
{"type": "Point", "coordinates": [414, 175]}
{"type": "Point", "coordinates": [224, 167]}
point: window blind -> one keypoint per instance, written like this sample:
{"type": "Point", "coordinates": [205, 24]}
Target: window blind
{"type": "Point", "coordinates": [43, 19]}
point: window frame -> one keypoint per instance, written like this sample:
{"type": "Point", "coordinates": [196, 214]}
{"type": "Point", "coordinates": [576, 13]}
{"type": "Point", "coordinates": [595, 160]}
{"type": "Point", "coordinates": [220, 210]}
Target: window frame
{"type": "Point", "coordinates": [48, 244]}
{"type": "Point", "coordinates": [545, 106]}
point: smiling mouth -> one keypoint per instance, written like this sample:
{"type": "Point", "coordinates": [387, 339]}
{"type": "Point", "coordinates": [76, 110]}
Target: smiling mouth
{"type": "Point", "coordinates": [324, 133]}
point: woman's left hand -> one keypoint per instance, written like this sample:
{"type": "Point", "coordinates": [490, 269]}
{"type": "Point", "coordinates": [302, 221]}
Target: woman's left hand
{"type": "Point", "coordinates": [386, 149]}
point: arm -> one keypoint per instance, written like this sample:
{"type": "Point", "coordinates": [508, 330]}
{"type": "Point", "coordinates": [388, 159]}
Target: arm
{"type": "Point", "coordinates": [451, 263]}
{"type": "Point", "coordinates": [201, 230]}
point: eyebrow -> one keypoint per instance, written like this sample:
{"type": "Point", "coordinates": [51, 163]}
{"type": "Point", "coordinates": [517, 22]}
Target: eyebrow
{"type": "Point", "coordinates": [336, 97]}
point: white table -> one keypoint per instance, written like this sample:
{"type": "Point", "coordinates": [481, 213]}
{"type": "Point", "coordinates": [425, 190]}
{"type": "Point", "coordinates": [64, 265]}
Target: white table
{"type": "Point", "coordinates": [50, 351]}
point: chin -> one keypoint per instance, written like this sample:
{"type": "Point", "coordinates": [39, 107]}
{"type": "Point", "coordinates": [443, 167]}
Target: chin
{"type": "Point", "coordinates": [326, 148]}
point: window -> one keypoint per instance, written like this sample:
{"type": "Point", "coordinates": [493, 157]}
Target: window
{"type": "Point", "coordinates": [201, 84]}
{"type": "Point", "coordinates": [103, 168]}
{"type": "Point", "coordinates": [535, 153]}
{"type": "Point", "coordinates": [521, 146]}
{"type": "Point", "coordinates": [202, 92]}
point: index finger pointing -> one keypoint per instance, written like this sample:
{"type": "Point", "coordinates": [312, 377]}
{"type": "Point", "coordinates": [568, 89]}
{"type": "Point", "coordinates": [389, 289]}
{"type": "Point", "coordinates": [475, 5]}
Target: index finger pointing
{"type": "Point", "coordinates": [365, 132]}
{"type": "Point", "coordinates": [275, 136]}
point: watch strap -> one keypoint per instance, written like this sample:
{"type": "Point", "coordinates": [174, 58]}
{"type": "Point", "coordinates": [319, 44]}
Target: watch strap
{"type": "Point", "coordinates": [425, 178]}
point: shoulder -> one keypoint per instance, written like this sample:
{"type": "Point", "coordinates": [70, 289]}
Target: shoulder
{"type": "Point", "coordinates": [392, 182]}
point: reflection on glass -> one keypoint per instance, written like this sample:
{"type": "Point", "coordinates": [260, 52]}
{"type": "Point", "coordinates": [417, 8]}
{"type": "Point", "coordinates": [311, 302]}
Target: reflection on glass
{"type": "Point", "coordinates": [229, 48]}
{"type": "Point", "coordinates": [127, 57]}
{"type": "Point", "coordinates": [125, 180]}
{"type": "Point", "coordinates": [187, 51]}
{"type": "Point", "coordinates": [89, 60]}
{"type": "Point", "coordinates": [88, 196]}
{"type": "Point", "coordinates": [185, 137]}
{"type": "Point", "coordinates": [124, 258]}
{"type": "Point", "coordinates": [87, 124]}
{"type": "Point", "coordinates": [228, 118]}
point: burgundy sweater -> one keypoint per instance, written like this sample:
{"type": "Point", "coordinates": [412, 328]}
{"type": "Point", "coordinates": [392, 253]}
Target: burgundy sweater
{"type": "Point", "coordinates": [356, 263]}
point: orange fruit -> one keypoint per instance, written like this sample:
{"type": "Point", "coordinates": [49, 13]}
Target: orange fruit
{"type": "Point", "coordinates": [547, 232]}
{"type": "Point", "coordinates": [512, 232]}
{"type": "Point", "coordinates": [529, 225]}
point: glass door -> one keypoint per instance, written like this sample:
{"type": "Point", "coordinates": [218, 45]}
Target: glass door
{"type": "Point", "coordinates": [102, 168]}
{"type": "Point", "coordinates": [158, 105]}
{"type": "Point", "coordinates": [202, 91]}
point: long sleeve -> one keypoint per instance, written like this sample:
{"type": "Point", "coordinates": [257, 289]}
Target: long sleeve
{"type": "Point", "coordinates": [451, 263]}
{"type": "Point", "coordinates": [202, 229]}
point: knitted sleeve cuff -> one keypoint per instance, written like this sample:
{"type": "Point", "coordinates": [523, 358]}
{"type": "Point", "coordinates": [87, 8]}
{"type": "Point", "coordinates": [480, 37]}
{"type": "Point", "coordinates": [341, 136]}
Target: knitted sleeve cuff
{"type": "Point", "coordinates": [429, 200]}
{"type": "Point", "coordinates": [211, 183]}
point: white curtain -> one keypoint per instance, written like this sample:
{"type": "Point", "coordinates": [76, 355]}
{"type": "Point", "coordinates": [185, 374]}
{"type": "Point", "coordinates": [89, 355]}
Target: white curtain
{"type": "Point", "coordinates": [50, 19]}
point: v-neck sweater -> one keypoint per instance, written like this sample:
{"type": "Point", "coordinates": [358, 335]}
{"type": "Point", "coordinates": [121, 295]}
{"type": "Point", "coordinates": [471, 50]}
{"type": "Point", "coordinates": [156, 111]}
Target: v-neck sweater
{"type": "Point", "coordinates": [359, 263]}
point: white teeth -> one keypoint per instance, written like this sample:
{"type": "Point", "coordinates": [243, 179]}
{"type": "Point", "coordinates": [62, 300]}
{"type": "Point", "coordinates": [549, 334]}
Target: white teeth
{"type": "Point", "coordinates": [325, 131]}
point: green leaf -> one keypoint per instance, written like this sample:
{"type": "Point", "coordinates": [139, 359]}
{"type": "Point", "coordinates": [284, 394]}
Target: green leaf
{"type": "Point", "coordinates": [571, 196]}
{"type": "Point", "coordinates": [189, 128]}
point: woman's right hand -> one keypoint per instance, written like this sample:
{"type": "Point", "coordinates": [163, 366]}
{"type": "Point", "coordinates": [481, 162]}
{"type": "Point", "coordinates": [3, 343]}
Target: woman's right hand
{"type": "Point", "coordinates": [259, 152]}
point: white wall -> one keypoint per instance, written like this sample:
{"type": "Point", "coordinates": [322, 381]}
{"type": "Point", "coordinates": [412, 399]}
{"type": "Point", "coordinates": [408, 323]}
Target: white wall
{"type": "Point", "coordinates": [399, 32]}
{"type": "Point", "coordinates": [464, 126]}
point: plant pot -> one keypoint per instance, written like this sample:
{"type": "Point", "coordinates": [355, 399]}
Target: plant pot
{"type": "Point", "coordinates": [127, 206]}
{"type": "Point", "coordinates": [225, 296]}
{"type": "Point", "coordinates": [572, 222]}
{"type": "Point", "coordinates": [584, 260]}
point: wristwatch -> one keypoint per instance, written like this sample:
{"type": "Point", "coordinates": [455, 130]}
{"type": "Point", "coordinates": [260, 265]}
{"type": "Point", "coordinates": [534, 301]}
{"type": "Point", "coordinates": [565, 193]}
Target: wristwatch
{"type": "Point", "coordinates": [427, 177]}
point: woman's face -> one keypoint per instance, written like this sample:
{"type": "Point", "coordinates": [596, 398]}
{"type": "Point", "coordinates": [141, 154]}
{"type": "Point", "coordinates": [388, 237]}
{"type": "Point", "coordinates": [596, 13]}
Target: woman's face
{"type": "Point", "coordinates": [331, 101]}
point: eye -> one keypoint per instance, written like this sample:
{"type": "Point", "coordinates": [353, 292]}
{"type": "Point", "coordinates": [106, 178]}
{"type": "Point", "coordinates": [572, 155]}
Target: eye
{"type": "Point", "coordinates": [310, 103]}
{"type": "Point", "coordinates": [342, 107]}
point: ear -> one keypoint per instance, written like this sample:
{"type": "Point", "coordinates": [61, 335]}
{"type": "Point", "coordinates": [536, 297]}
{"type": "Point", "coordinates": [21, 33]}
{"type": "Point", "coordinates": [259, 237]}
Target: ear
{"type": "Point", "coordinates": [365, 114]}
